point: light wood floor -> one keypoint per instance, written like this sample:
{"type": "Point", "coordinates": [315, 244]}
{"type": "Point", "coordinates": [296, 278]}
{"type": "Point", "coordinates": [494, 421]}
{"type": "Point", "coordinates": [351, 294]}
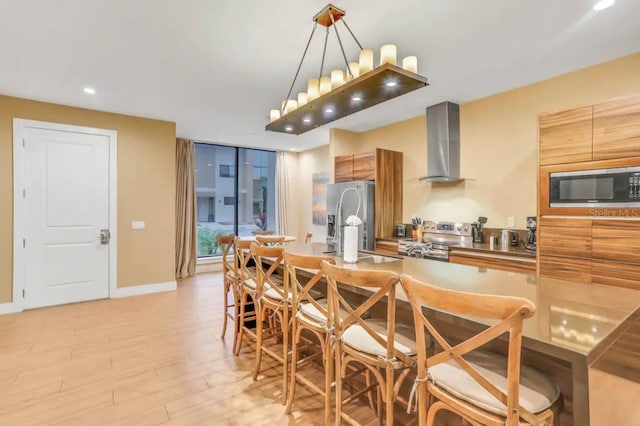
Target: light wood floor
{"type": "Point", "coordinates": [146, 360]}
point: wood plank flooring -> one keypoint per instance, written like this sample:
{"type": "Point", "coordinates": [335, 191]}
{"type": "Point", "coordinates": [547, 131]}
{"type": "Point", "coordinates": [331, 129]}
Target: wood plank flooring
{"type": "Point", "coordinates": [151, 360]}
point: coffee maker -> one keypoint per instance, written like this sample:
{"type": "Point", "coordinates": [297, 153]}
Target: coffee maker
{"type": "Point", "coordinates": [531, 233]}
{"type": "Point", "coordinates": [476, 230]}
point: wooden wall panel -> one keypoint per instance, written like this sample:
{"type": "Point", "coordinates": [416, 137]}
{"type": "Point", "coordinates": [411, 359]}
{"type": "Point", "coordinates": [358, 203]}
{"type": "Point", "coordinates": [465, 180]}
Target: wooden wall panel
{"type": "Point", "coordinates": [566, 268]}
{"type": "Point", "coordinates": [568, 237]}
{"type": "Point", "coordinates": [566, 136]}
{"type": "Point", "coordinates": [492, 262]}
{"type": "Point", "coordinates": [615, 274]}
{"type": "Point", "coordinates": [616, 128]}
{"type": "Point", "coordinates": [616, 240]}
{"type": "Point", "coordinates": [388, 192]}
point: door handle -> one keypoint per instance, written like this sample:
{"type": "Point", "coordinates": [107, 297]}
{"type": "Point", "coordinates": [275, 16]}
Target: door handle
{"type": "Point", "coordinates": [105, 236]}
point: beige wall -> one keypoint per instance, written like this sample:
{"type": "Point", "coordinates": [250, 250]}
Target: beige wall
{"type": "Point", "coordinates": [146, 188]}
{"type": "Point", "coordinates": [498, 145]}
{"type": "Point", "coordinates": [309, 162]}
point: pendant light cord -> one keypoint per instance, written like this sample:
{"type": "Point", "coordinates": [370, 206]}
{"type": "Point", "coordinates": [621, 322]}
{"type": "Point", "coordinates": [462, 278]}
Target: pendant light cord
{"type": "Point", "coordinates": [324, 52]}
{"type": "Point", "coordinates": [344, 55]}
{"type": "Point", "coordinates": [351, 32]}
{"type": "Point", "coordinates": [313, 30]}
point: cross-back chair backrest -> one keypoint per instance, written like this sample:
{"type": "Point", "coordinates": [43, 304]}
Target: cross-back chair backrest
{"type": "Point", "coordinates": [269, 240]}
{"type": "Point", "coordinates": [510, 313]}
{"type": "Point", "coordinates": [300, 293]}
{"type": "Point", "coordinates": [226, 244]}
{"type": "Point", "coordinates": [243, 256]}
{"type": "Point", "coordinates": [382, 283]}
{"type": "Point", "coordinates": [266, 269]}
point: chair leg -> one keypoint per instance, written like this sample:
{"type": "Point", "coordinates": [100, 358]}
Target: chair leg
{"type": "Point", "coordinates": [433, 411]}
{"type": "Point", "coordinates": [236, 306]}
{"type": "Point", "coordinates": [243, 304]}
{"type": "Point", "coordinates": [379, 404]}
{"type": "Point", "coordinates": [225, 299]}
{"type": "Point", "coordinates": [338, 377]}
{"type": "Point", "coordinates": [260, 317]}
{"type": "Point", "coordinates": [329, 376]}
{"type": "Point", "coordinates": [367, 378]}
{"type": "Point", "coordinates": [285, 352]}
{"type": "Point", "coordinates": [389, 399]}
{"type": "Point", "coordinates": [295, 339]}
{"type": "Point", "coordinates": [422, 404]}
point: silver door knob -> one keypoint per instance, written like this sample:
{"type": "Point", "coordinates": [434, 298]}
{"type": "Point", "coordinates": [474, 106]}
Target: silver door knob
{"type": "Point", "coordinates": [105, 236]}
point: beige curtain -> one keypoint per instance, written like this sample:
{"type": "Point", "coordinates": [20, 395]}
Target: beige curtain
{"type": "Point", "coordinates": [283, 193]}
{"type": "Point", "coordinates": [185, 209]}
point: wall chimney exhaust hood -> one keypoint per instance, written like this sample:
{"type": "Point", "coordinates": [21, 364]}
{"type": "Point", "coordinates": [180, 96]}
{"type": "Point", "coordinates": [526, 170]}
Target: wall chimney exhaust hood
{"type": "Point", "coordinates": [443, 143]}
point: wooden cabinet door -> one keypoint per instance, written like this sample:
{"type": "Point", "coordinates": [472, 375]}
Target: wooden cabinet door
{"type": "Point", "coordinates": [364, 166]}
{"type": "Point", "coordinates": [388, 198]}
{"type": "Point", "coordinates": [567, 237]}
{"type": "Point", "coordinates": [343, 168]}
{"type": "Point", "coordinates": [566, 136]}
{"type": "Point", "coordinates": [616, 128]}
{"type": "Point", "coordinates": [565, 248]}
{"type": "Point", "coordinates": [616, 240]}
{"type": "Point", "coordinates": [615, 273]}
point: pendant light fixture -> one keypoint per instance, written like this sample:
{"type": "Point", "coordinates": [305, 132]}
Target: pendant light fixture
{"type": "Point", "coordinates": [342, 92]}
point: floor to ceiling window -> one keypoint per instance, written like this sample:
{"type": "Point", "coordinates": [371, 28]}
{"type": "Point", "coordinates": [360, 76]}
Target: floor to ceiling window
{"type": "Point", "coordinates": [235, 193]}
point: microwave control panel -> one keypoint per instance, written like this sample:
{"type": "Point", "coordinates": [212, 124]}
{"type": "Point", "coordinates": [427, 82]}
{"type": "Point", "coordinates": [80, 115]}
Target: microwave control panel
{"type": "Point", "coordinates": [634, 187]}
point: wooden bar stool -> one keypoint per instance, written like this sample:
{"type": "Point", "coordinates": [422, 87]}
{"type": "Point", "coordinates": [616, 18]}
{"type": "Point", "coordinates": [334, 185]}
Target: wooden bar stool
{"type": "Point", "coordinates": [270, 240]}
{"type": "Point", "coordinates": [311, 315]}
{"type": "Point", "coordinates": [275, 301]}
{"type": "Point", "coordinates": [385, 348]}
{"type": "Point", "coordinates": [250, 292]}
{"type": "Point", "coordinates": [231, 284]}
{"type": "Point", "coordinates": [482, 387]}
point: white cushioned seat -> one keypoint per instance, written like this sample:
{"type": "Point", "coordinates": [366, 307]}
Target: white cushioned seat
{"type": "Point", "coordinates": [358, 338]}
{"type": "Point", "coordinates": [273, 294]}
{"type": "Point", "coordinates": [537, 391]}
{"type": "Point", "coordinates": [251, 283]}
{"type": "Point", "coordinates": [310, 312]}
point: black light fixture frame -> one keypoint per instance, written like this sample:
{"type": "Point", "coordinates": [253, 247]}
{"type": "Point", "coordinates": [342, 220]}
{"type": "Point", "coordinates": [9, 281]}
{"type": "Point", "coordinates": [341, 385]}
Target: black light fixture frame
{"type": "Point", "coordinates": [381, 84]}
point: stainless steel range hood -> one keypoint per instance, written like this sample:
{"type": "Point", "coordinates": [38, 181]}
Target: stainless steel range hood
{"type": "Point", "coordinates": [443, 143]}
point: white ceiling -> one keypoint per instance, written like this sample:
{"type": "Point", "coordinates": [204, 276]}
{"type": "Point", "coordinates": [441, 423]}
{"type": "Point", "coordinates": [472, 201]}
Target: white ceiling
{"type": "Point", "coordinates": [216, 68]}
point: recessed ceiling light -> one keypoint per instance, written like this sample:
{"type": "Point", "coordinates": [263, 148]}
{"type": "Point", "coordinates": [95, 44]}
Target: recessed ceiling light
{"type": "Point", "coordinates": [391, 83]}
{"type": "Point", "coordinates": [603, 4]}
{"type": "Point", "coordinates": [328, 110]}
{"type": "Point", "coordinates": [288, 128]}
{"type": "Point", "coordinates": [89, 90]}
{"type": "Point", "coordinates": [356, 98]}
{"type": "Point", "coordinates": [209, 164]}
{"type": "Point", "coordinates": [293, 149]}
{"type": "Point", "coordinates": [307, 120]}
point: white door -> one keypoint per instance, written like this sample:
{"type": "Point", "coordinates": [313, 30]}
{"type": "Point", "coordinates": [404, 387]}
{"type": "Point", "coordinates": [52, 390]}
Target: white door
{"type": "Point", "coordinates": [65, 207]}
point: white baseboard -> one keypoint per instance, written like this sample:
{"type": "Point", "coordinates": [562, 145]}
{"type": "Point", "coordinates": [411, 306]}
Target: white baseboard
{"type": "Point", "coordinates": [137, 290]}
{"type": "Point", "coordinates": [9, 308]}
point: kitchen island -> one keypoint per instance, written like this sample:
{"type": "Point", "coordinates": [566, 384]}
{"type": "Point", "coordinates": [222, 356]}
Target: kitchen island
{"type": "Point", "coordinates": [573, 325]}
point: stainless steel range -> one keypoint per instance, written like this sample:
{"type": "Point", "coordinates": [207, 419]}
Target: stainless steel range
{"type": "Point", "coordinates": [437, 239]}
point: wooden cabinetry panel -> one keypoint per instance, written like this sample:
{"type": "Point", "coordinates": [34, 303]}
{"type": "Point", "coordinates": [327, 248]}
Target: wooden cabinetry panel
{"type": "Point", "coordinates": [388, 202]}
{"type": "Point", "coordinates": [493, 262]}
{"type": "Point", "coordinates": [364, 166]}
{"type": "Point", "coordinates": [566, 268]}
{"type": "Point", "coordinates": [616, 240]}
{"type": "Point", "coordinates": [616, 128]}
{"type": "Point", "coordinates": [565, 237]}
{"type": "Point", "coordinates": [343, 168]}
{"type": "Point", "coordinates": [566, 136]}
{"type": "Point", "coordinates": [615, 274]}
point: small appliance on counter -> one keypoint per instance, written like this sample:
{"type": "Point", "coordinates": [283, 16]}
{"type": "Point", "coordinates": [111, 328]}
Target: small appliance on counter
{"type": "Point", "coordinates": [531, 233]}
{"type": "Point", "coordinates": [508, 237]}
{"type": "Point", "coordinates": [476, 229]}
{"type": "Point", "coordinates": [401, 230]}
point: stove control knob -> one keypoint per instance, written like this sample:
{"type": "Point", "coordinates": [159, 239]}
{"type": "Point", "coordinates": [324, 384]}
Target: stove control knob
{"type": "Point", "coordinates": [458, 227]}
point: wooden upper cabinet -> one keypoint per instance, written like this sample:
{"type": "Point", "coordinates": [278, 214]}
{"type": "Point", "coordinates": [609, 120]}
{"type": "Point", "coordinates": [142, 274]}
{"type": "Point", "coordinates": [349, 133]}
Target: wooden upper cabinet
{"type": "Point", "coordinates": [364, 166]}
{"type": "Point", "coordinates": [566, 136]}
{"type": "Point", "coordinates": [616, 128]}
{"type": "Point", "coordinates": [388, 207]}
{"type": "Point", "coordinates": [343, 169]}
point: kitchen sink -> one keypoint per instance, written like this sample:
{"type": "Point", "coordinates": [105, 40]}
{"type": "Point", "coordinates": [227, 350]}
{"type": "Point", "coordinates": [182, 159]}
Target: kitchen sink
{"type": "Point", "coordinates": [364, 256]}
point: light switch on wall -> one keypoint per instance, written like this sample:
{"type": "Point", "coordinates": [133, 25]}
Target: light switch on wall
{"type": "Point", "coordinates": [511, 221]}
{"type": "Point", "coordinates": [137, 224]}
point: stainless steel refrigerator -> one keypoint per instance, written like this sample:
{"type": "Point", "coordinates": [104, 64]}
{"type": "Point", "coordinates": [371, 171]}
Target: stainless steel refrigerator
{"type": "Point", "coordinates": [349, 195]}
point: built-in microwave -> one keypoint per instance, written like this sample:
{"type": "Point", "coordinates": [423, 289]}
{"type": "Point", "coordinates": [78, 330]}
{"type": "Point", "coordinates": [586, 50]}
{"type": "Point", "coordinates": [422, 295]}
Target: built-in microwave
{"type": "Point", "coordinates": [589, 188]}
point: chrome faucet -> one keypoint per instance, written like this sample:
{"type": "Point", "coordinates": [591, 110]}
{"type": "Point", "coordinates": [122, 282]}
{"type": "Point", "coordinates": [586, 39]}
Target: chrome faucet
{"type": "Point", "coordinates": [337, 235]}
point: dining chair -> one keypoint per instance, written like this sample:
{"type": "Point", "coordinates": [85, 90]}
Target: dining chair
{"type": "Point", "coordinates": [270, 240]}
{"type": "Point", "coordinates": [309, 313]}
{"type": "Point", "coordinates": [482, 387]}
{"type": "Point", "coordinates": [385, 348]}
{"type": "Point", "coordinates": [250, 292]}
{"type": "Point", "coordinates": [275, 301]}
{"type": "Point", "coordinates": [231, 284]}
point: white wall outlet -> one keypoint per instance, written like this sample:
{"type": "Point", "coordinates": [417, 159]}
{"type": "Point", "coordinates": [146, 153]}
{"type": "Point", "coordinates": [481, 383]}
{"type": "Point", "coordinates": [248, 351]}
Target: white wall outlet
{"type": "Point", "coordinates": [511, 222]}
{"type": "Point", "coordinates": [137, 224]}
